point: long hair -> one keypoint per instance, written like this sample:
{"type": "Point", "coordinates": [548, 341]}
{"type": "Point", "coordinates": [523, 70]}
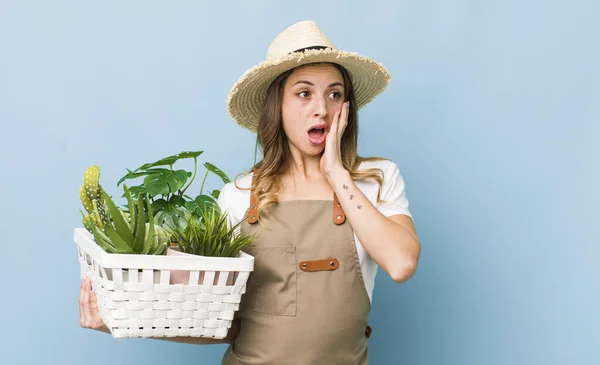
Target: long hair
{"type": "Point", "coordinates": [273, 142]}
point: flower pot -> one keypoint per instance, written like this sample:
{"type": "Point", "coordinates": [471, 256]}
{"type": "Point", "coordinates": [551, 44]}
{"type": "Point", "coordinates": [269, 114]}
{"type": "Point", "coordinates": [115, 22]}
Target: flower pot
{"type": "Point", "coordinates": [183, 276]}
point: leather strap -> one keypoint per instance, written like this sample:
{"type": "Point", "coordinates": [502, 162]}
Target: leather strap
{"type": "Point", "coordinates": [253, 212]}
{"type": "Point", "coordinates": [339, 216]}
{"type": "Point", "coordinates": [320, 265]}
{"type": "Point", "coordinates": [338, 213]}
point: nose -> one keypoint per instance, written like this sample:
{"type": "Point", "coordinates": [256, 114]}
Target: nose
{"type": "Point", "coordinates": [321, 107]}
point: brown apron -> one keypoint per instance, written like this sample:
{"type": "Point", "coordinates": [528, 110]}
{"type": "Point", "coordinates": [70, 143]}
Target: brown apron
{"type": "Point", "coordinates": [306, 301]}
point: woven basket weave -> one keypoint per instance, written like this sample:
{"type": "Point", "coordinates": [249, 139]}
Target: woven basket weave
{"type": "Point", "coordinates": [136, 297]}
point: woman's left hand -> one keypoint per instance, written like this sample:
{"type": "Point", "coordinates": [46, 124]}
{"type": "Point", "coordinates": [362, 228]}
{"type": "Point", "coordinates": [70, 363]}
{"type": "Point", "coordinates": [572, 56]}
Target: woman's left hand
{"type": "Point", "coordinates": [331, 161]}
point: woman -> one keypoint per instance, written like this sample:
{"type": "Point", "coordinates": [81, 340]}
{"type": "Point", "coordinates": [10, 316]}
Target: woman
{"type": "Point", "coordinates": [325, 219]}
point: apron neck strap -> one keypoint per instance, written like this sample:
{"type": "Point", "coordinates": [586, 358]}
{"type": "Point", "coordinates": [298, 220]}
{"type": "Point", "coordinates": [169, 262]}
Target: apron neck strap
{"type": "Point", "coordinates": [339, 216]}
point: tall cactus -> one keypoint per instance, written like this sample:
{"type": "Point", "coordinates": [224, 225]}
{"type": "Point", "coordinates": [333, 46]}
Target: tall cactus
{"type": "Point", "coordinates": [92, 198]}
{"type": "Point", "coordinates": [117, 231]}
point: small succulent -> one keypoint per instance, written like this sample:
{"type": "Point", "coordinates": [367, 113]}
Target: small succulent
{"type": "Point", "coordinates": [130, 234]}
{"type": "Point", "coordinates": [211, 235]}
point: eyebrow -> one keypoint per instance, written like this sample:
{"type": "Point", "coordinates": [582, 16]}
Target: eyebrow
{"type": "Point", "coordinates": [311, 84]}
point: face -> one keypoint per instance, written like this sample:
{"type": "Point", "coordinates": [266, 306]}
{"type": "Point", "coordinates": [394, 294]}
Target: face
{"type": "Point", "coordinates": [311, 96]}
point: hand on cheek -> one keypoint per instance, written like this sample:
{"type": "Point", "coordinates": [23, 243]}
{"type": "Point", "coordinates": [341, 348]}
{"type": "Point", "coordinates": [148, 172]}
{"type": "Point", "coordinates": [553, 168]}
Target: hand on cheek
{"type": "Point", "coordinates": [332, 160]}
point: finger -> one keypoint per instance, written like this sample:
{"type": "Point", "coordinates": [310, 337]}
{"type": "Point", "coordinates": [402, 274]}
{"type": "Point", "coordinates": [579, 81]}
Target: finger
{"type": "Point", "coordinates": [343, 117]}
{"type": "Point", "coordinates": [334, 123]}
{"type": "Point", "coordinates": [80, 300]}
{"type": "Point", "coordinates": [86, 305]}
{"type": "Point", "coordinates": [95, 311]}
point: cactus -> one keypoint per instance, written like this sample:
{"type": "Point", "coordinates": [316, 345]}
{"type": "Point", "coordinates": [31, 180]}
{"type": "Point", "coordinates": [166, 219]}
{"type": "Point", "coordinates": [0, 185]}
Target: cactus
{"type": "Point", "coordinates": [91, 195]}
{"type": "Point", "coordinates": [92, 182]}
{"type": "Point", "coordinates": [113, 229]}
{"type": "Point", "coordinates": [87, 203]}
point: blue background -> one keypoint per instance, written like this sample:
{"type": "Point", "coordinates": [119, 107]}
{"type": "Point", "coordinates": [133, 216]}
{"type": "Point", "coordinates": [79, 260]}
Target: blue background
{"type": "Point", "coordinates": [492, 114]}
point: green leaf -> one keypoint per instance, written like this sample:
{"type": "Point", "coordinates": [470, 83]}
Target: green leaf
{"type": "Point", "coordinates": [172, 213]}
{"type": "Point", "coordinates": [163, 238]}
{"type": "Point", "coordinates": [215, 194]}
{"type": "Point", "coordinates": [135, 174]}
{"type": "Point", "coordinates": [102, 243]}
{"type": "Point", "coordinates": [205, 202]}
{"type": "Point", "coordinates": [160, 217]}
{"type": "Point", "coordinates": [137, 191]}
{"type": "Point", "coordinates": [177, 201]}
{"type": "Point", "coordinates": [211, 236]}
{"type": "Point", "coordinates": [164, 183]}
{"type": "Point", "coordinates": [190, 154]}
{"type": "Point", "coordinates": [100, 239]}
{"type": "Point", "coordinates": [126, 219]}
{"type": "Point", "coordinates": [217, 171]}
{"type": "Point", "coordinates": [167, 161]}
{"type": "Point", "coordinates": [170, 160]}
{"type": "Point", "coordinates": [132, 212]}
{"type": "Point", "coordinates": [149, 241]}
{"type": "Point", "coordinates": [191, 206]}
{"type": "Point", "coordinates": [120, 245]}
{"type": "Point", "coordinates": [140, 230]}
{"type": "Point", "coordinates": [159, 204]}
{"type": "Point", "coordinates": [121, 226]}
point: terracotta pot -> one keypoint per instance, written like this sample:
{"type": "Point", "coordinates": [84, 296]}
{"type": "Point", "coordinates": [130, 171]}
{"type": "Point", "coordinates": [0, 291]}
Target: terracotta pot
{"type": "Point", "coordinates": [183, 276]}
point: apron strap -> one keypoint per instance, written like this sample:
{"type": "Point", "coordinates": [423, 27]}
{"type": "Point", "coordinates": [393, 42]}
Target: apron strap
{"type": "Point", "coordinates": [338, 213]}
{"type": "Point", "coordinates": [253, 212]}
{"type": "Point", "coordinates": [339, 216]}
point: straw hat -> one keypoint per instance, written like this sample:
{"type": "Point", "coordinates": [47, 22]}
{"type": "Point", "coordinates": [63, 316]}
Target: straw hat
{"type": "Point", "coordinates": [300, 44]}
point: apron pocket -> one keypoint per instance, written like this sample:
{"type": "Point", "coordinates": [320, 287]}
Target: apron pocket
{"type": "Point", "coordinates": [271, 287]}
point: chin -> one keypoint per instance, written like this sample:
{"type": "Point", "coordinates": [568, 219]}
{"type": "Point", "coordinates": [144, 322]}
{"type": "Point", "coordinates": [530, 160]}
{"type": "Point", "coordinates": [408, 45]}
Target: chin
{"type": "Point", "coordinates": [314, 150]}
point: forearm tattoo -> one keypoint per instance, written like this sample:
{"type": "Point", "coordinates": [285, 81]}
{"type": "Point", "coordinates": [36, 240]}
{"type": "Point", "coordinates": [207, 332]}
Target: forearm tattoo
{"type": "Point", "coordinates": [346, 187]}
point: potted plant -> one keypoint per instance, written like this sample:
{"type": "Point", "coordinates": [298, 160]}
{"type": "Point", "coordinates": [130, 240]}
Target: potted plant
{"type": "Point", "coordinates": [166, 188]}
{"type": "Point", "coordinates": [208, 235]}
{"type": "Point", "coordinates": [122, 250]}
{"type": "Point", "coordinates": [115, 230]}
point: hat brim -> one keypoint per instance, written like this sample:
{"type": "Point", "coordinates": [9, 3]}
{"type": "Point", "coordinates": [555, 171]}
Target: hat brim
{"type": "Point", "coordinates": [247, 97]}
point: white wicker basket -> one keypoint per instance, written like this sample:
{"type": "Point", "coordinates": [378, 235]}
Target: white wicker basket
{"type": "Point", "coordinates": [136, 298]}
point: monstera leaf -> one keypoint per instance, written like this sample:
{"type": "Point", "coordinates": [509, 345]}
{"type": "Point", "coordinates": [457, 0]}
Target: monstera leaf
{"type": "Point", "coordinates": [201, 204]}
{"type": "Point", "coordinates": [217, 171]}
{"type": "Point", "coordinates": [165, 182]}
{"type": "Point", "coordinates": [170, 160]}
{"type": "Point", "coordinates": [135, 175]}
{"type": "Point", "coordinates": [171, 213]}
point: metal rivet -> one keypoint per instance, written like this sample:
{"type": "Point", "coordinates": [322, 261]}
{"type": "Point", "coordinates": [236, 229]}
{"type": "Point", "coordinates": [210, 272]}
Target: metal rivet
{"type": "Point", "coordinates": [338, 204]}
{"type": "Point", "coordinates": [332, 263]}
{"type": "Point", "coordinates": [304, 266]}
{"type": "Point", "coordinates": [252, 217]}
{"type": "Point", "coordinates": [339, 217]}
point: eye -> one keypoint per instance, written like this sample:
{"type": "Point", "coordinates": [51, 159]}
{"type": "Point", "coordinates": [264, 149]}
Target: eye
{"type": "Point", "coordinates": [303, 94]}
{"type": "Point", "coordinates": [335, 95]}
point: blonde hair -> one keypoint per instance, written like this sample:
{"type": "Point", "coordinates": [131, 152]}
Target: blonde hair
{"type": "Point", "coordinates": [275, 148]}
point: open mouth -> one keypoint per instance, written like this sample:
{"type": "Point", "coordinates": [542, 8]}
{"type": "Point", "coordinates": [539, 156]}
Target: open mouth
{"type": "Point", "coordinates": [317, 135]}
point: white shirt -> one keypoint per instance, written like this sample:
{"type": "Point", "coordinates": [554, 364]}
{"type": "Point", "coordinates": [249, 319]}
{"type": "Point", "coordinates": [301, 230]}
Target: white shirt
{"type": "Point", "coordinates": [237, 201]}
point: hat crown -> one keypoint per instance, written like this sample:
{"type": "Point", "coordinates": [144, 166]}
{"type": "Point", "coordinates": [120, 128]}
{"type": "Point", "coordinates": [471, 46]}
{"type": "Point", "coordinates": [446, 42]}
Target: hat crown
{"type": "Point", "coordinates": [301, 35]}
